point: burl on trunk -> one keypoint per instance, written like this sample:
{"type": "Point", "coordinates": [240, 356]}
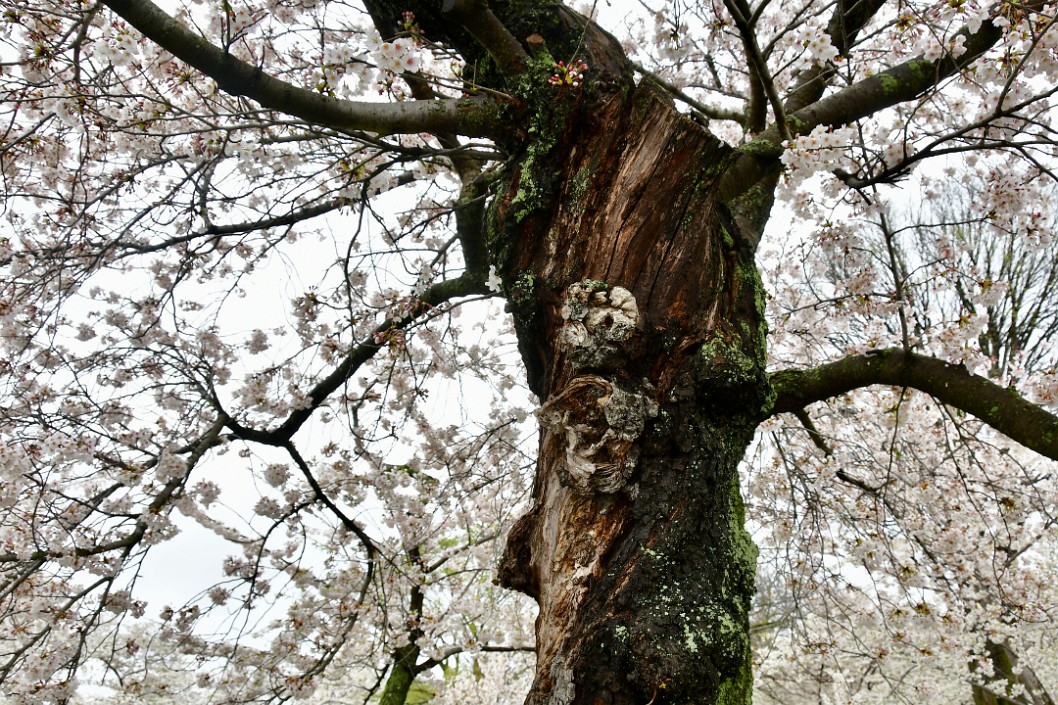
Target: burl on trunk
{"type": "Point", "coordinates": [639, 315]}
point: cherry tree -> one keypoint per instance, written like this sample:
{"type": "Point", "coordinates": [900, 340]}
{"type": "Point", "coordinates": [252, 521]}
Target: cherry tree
{"type": "Point", "coordinates": [924, 543]}
{"type": "Point", "coordinates": [266, 265]}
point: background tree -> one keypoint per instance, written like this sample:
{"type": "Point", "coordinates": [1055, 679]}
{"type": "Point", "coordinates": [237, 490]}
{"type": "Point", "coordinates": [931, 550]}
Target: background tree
{"type": "Point", "coordinates": [162, 170]}
{"type": "Point", "coordinates": [924, 542]}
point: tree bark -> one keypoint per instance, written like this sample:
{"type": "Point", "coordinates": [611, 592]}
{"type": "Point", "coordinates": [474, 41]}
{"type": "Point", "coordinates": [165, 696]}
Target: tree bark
{"type": "Point", "coordinates": [638, 309]}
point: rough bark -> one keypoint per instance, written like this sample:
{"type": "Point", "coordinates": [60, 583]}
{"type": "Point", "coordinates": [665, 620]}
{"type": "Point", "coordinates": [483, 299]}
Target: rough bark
{"type": "Point", "coordinates": [638, 311]}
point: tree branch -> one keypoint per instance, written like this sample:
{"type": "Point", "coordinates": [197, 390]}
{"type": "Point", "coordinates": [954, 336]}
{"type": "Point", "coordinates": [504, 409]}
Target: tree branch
{"type": "Point", "coordinates": [751, 210]}
{"type": "Point", "coordinates": [455, 650]}
{"type": "Point", "coordinates": [484, 26]}
{"type": "Point", "coordinates": [468, 284]}
{"type": "Point", "coordinates": [708, 111]}
{"type": "Point", "coordinates": [761, 85]}
{"type": "Point", "coordinates": [848, 20]}
{"type": "Point", "coordinates": [470, 226]}
{"type": "Point", "coordinates": [470, 117]}
{"type": "Point", "coordinates": [1001, 408]}
{"type": "Point", "coordinates": [997, 689]}
{"type": "Point", "coordinates": [813, 432]}
{"type": "Point", "coordinates": [896, 85]}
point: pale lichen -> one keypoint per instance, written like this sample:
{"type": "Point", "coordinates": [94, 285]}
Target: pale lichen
{"type": "Point", "coordinates": [564, 689]}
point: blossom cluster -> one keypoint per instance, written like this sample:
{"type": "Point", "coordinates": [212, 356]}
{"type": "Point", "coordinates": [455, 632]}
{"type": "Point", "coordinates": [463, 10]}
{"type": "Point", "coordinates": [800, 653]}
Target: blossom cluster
{"type": "Point", "coordinates": [570, 75]}
{"type": "Point", "coordinates": [823, 148]}
{"type": "Point", "coordinates": [398, 56]}
{"type": "Point", "coordinates": [817, 44]}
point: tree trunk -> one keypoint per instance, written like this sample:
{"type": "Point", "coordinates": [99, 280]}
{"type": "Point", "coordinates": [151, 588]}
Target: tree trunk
{"type": "Point", "coordinates": [405, 658]}
{"type": "Point", "coordinates": [1009, 685]}
{"type": "Point", "coordinates": [639, 314]}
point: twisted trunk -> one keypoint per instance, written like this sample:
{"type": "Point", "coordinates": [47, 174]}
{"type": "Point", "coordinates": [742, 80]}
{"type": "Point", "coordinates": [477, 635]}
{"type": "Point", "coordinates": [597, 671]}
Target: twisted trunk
{"type": "Point", "coordinates": [638, 309]}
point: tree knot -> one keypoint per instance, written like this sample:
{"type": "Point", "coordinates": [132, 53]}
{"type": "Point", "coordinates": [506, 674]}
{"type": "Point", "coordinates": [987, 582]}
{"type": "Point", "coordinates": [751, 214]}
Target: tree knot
{"type": "Point", "coordinates": [600, 327]}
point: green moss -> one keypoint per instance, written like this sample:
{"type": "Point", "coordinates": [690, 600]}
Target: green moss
{"type": "Point", "coordinates": [728, 240]}
{"type": "Point", "coordinates": [581, 181]}
{"type": "Point", "coordinates": [595, 285]}
{"type": "Point", "coordinates": [485, 116]}
{"type": "Point", "coordinates": [530, 194]}
{"type": "Point", "coordinates": [762, 149]}
{"type": "Point", "coordinates": [890, 84]}
{"type": "Point", "coordinates": [727, 360]}
{"type": "Point", "coordinates": [523, 288]}
{"type": "Point", "coordinates": [756, 339]}
{"type": "Point", "coordinates": [922, 69]}
{"type": "Point", "coordinates": [547, 123]}
{"type": "Point", "coordinates": [401, 676]}
{"type": "Point", "coordinates": [737, 690]}
{"type": "Point", "coordinates": [579, 188]}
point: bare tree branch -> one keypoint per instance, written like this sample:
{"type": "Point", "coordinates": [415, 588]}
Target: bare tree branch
{"type": "Point", "coordinates": [708, 111]}
{"type": "Point", "coordinates": [1001, 408]}
{"type": "Point", "coordinates": [762, 86]}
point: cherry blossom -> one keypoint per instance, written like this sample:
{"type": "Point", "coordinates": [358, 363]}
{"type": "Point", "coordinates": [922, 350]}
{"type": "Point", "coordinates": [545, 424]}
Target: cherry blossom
{"type": "Point", "coordinates": [270, 339]}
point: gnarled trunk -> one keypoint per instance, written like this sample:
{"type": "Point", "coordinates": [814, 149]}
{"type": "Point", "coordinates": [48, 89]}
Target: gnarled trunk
{"type": "Point", "coordinates": [638, 310]}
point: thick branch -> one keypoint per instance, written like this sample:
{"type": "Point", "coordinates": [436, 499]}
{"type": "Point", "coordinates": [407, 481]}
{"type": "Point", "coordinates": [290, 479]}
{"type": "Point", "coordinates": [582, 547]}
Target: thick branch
{"type": "Point", "coordinates": [1001, 408]}
{"type": "Point", "coordinates": [236, 77]}
{"type": "Point", "coordinates": [848, 20]}
{"type": "Point", "coordinates": [1007, 679]}
{"type": "Point", "coordinates": [404, 669]}
{"type": "Point", "coordinates": [470, 226]}
{"type": "Point", "coordinates": [896, 85]}
{"type": "Point", "coordinates": [484, 26]}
